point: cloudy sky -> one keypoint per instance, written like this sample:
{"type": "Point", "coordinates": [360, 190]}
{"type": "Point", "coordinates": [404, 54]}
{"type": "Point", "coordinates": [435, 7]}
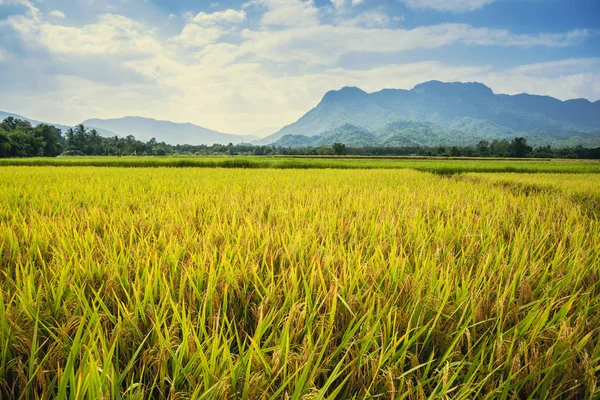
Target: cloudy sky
{"type": "Point", "coordinates": [247, 66]}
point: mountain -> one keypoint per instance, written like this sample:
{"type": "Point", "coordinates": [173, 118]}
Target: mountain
{"type": "Point", "coordinates": [351, 135]}
{"type": "Point", "coordinates": [146, 128]}
{"type": "Point", "coordinates": [4, 115]}
{"type": "Point", "coordinates": [437, 113]}
{"type": "Point", "coordinates": [63, 128]}
{"type": "Point", "coordinates": [170, 132]}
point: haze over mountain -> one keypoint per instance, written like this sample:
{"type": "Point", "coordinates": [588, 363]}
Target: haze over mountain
{"type": "Point", "coordinates": [437, 113]}
{"type": "Point", "coordinates": [63, 128]}
{"type": "Point", "coordinates": [146, 128]}
{"type": "Point", "coordinates": [170, 132]}
{"type": "Point", "coordinates": [4, 115]}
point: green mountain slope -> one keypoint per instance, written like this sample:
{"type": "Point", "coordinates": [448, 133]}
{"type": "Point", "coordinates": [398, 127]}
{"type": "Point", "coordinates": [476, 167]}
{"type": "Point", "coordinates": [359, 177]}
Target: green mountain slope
{"type": "Point", "coordinates": [348, 134]}
{"type": "Point", "coordinates": [437, 113]}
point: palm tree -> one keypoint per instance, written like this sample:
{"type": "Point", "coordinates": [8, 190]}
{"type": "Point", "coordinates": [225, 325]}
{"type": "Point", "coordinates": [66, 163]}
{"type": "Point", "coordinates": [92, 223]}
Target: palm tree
{"type": "Point", "coordinates": [95, 140]}
{"type": "Point", "coordinates": [70, 138]}
{"type": "Point", "coordinates": [80, 137]}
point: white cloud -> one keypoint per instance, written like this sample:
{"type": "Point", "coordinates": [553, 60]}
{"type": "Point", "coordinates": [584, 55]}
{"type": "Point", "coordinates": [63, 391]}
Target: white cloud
{"type": "Point", "coordinates": [563, 79]}
{"type": "Point", "coordinates": [229, 16]}
{"type": "Point", "coordinates": [338, 4]}
{"type": "Point", "coordinates": [287, 12]}
{"type": "Point", "coordinates": [583, 85]}
{"type": "Point", "coordinates": [3, 54]}
{"type": "Point", "coordinates": [325, 44]}
{"type": "Point", "coordinates": [207, 28]}
{"type": "Point", "coordinates": [194, 35]}
{"type": "Point", "coordinates": [560, 67]}
{"type": "Point", "coordinates": [112, 35]}
{"type": "Point", "coordinates": [502, 37]}
{"type": "Point", "coordinates": [57, 14]}
{"type": "Point", "coordinates": [448, 5]}
{"type": "Point", "coordinates": [367, 19]}
{"type": "Point", "coordinates": [218, 54]}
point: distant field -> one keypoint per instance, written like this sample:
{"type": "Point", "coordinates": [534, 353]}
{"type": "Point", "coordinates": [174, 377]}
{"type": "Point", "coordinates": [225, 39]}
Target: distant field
{"type": "Point", "coordinates": [299, 284]}
{"type": "Point", "coordinates": [436, 165]}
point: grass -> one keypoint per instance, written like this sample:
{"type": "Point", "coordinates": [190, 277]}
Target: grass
{"type": "Point", "coordinates": [435, 165]}
{"type": "Point", "coordinates": [297, 284]}
{"type": "Point", "coordinates": [575, 184]}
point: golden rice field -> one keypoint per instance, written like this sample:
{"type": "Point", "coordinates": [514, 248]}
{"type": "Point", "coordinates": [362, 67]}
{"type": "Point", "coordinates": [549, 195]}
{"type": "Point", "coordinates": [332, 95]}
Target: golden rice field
{"type": "Point", "coordinates": [137, 283]}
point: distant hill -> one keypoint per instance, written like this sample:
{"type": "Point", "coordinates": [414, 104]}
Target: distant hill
{"type": "Point", "coordinates": [165, 131]}
{"type": "Point", "coordinates": [437, 113]}
{"type": "Point", "coordinates": [63, 128]}
{"type": "Point", "coordinates": [4, 115]}
{"type": "Point", "coordinates": [146, 128]}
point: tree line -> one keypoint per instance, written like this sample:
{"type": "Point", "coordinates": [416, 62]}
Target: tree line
{"type": "Point", "coordinates": [19, 138]}
{"type": "Point", "coordinates": [502, 148]}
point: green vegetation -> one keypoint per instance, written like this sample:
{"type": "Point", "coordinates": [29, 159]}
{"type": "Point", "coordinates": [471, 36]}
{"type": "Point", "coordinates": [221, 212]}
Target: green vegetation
{"type": "Point", "coordinates": [435, 165]}
{"type": "Point", "coordinates": [339, 148]}
{"type": "Point", "coordinates": [19, 139]}
{"type": "Point", "coordinates": [347, 134]}
{"type": "Point", "coordinates": [268, 284]}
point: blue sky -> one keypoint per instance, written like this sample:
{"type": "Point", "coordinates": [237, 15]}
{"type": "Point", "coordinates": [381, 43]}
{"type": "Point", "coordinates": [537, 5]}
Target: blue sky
{"type": "Point", "coordinates": [256, 65]}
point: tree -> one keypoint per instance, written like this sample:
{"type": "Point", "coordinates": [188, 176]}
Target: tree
{"type": "Point", "coordinates": [52, 139]}
{"type": "Point", "coordinates": [94, 141]}
{"type": "Point", "coordinates": [543, 151]}
{"type": "Point", "coordinates": [5, 143]}
{"type": "Point", "coordinates": [519, 148]}
{"type": "Point", "coordinates": [9, 124]}
{"type": "Point", "coordinates": [160, 151]}
{"type": "Point", "coordinates": [12, 124]}
{"type": "Point", "coordinates": [483, 147]}
{"type": "Point", "coordinates": [230, 149]}
{"type": "Point", "coordinates": [25, 143]}
{"type": "Point", "coordinates": [339, 148]}
{"type": "Point", "coordinates": [130, 147]}
{"type": "Point", "coordinates": [499, 148]}
{"type": "Point", "coordinates": [80, 139]}
{"type": "Point", "coordinates": [70, 139]}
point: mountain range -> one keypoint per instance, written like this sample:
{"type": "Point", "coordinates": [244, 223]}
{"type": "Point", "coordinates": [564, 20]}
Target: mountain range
{"type": "Point", "coordinates": [431, 114]}
{"type": "Point", "coordinates": [437, 113]}
{"type": "Point", "coordinates": [146, 128]}
{"type": "Point", "coordinates": [4, 115]}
